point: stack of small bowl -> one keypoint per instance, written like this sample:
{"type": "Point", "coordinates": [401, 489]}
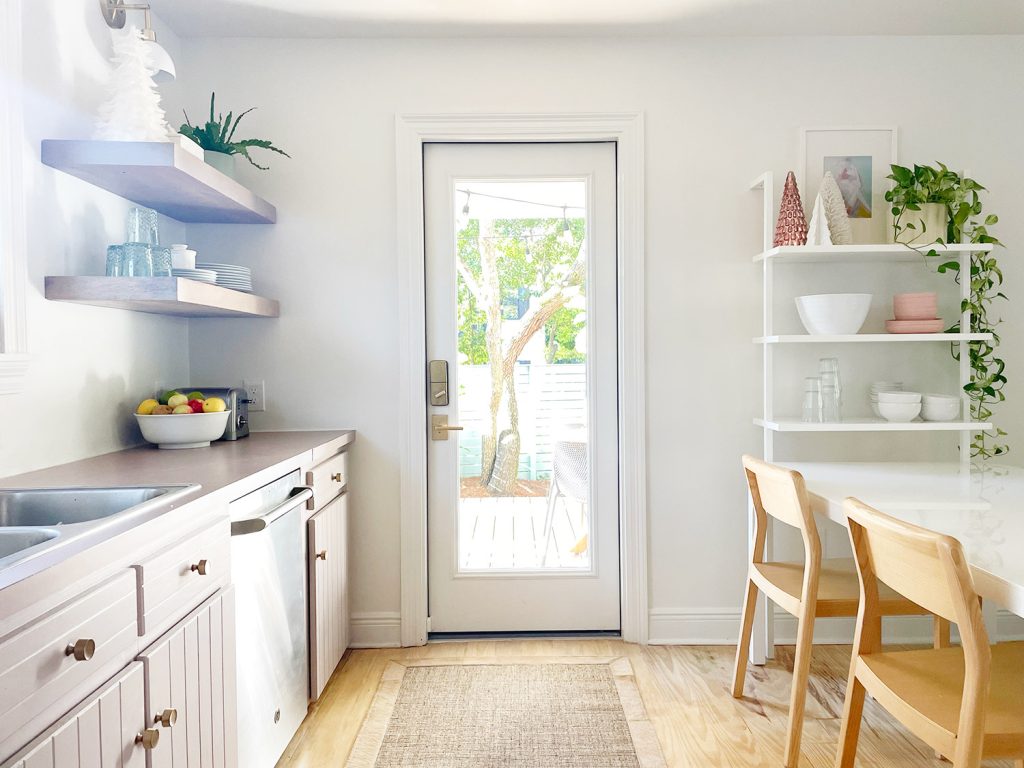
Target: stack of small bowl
{"type": "Point", "coordinates": [915, 313]}
{"type": "Point", "coordinates": [897, 405]}
{"type": "Point", "coordinates": [883, 386]}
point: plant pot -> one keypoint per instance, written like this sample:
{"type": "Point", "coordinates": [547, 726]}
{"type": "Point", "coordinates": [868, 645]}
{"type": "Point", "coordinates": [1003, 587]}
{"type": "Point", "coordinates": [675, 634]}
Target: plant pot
{"type": "Point", "coordinates": [222, 161]}
{"type": "Point", "coordinates": [929, 224]}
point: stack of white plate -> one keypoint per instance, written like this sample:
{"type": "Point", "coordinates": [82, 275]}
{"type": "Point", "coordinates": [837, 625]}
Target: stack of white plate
{"type": "Point", "coordinates": [202, 275]}
{"type": "Point", "coordinates": [230, 275]}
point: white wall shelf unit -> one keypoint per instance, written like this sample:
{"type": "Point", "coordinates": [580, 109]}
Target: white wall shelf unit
{"type": "Point", "coordinates": [868, 257]}
{"type": "Point", "coordinates": [861, 253]}
{"type": "Point", "coordinates": [882, 338]}
{"type": "Point", "coordinates": [162, 176]}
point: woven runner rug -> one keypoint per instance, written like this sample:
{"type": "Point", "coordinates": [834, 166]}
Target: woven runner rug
{"type": "Point", "coordinates": [521, 712]}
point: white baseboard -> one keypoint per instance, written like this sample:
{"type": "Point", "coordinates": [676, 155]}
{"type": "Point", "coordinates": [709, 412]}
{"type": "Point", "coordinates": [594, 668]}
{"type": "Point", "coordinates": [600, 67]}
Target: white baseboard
{"type": "Point", "coordinates": [720, 626]}
{"type": "Point", "coordinates": [375, 630]}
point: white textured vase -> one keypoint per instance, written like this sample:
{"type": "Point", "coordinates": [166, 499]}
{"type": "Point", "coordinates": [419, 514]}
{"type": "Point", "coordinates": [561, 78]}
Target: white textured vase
{"type": "Point", "coordinates": [222, 161]}
{"type": "Point", "coordinates": [929, 225]}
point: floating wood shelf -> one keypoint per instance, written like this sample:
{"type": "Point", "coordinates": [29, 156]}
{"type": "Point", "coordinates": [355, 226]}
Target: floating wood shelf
{"type": "Point", "coordinates": [162, 176]}
{"type": "Point", "coordinates": [863, 253]}
{"type": "Point", "coordinates": [886, 338]}
{"type": "Point", "coordinates": [871, 425]}
{"type": "Point", "coordinates": [160, 296]}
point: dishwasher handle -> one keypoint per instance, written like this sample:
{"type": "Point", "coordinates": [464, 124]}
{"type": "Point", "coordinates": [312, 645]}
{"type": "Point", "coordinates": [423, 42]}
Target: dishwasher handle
{"type": "Point", "coordinates": [298, 496]}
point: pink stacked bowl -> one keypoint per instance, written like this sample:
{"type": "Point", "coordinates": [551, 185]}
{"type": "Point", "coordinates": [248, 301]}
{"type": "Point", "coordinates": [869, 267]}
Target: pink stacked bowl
{"type": "Point", "coordinates": [915, 306]}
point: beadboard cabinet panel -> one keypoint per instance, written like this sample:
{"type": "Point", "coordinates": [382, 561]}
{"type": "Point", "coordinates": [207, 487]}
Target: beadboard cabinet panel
{"type": "Point", "coordinates": [328, 591]}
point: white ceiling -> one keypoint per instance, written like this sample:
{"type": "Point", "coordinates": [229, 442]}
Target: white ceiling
{"type": "Point", "coordinates": [450, 18]}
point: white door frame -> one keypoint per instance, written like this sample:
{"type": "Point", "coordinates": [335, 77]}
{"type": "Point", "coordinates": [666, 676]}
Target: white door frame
{"type": "Point", "coordinates": [411, 133]}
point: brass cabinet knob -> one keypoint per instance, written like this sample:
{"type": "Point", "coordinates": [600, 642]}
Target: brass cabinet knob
{"type": "Point", "coordinates": [82, 650]}
{"type": "Point", "coordinates": [336, 477]}
{"type": "Point", "coordinates": [149, 738]}
{"type": "Point", "coordinates": [321, 555]}
{"type": "Point", "coordinates": [199, 567]}
{"type": "Point", "coordinates": [167, 718]}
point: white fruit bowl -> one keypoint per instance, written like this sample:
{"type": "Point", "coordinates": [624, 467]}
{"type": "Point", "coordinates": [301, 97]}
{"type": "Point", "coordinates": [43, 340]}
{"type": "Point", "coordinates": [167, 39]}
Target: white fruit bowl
{"type": "Point", "coordinates": [183, 430]}
{"type": "Point", "coordinates": [833, 314]}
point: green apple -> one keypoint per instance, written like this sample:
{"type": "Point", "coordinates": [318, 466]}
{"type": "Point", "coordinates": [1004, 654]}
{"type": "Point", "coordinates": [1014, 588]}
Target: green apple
{"type": "Point", "coordinates": [177, 399]}
{"type": "Point", "coordinates": [186, 408]}
{"type": "Point", "coordinates": [196, 395]}
{"type": "Point", "coordinates": [167, 396]}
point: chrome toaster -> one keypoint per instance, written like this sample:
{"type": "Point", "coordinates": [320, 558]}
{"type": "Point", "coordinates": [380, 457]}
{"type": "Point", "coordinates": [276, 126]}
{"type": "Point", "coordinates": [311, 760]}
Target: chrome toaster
{"type": "Point", "coordinates": [236, 400]}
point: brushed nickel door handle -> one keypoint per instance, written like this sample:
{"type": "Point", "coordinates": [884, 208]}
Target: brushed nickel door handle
{"type": "Point", "coordinates": [199, 567]}
{"type": "Point", "coordinates": [82, 650]}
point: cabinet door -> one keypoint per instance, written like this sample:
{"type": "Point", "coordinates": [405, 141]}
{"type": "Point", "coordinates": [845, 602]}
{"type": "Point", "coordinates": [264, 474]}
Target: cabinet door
{"type": "Point", "coordinates": [190, 689]}
{"type": "Point", "coordinates": [104, 731]}
{"type": "Point", "coordinates": [328, 592]}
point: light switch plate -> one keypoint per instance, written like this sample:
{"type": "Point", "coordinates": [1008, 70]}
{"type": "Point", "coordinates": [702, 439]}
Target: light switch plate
{"type": "Point", "coordinates": [256, 394]}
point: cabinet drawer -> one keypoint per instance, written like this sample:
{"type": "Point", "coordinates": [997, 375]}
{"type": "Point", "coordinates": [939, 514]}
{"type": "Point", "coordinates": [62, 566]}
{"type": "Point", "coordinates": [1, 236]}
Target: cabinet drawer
{"type": "Point", "coordinates": [175, 580]}
{"type": "Point", "coordinates": [41, 673]}
{"type": "Point", "coordinates": [327, 479]}
{"type": "Point", "coordinates": [103, 731]}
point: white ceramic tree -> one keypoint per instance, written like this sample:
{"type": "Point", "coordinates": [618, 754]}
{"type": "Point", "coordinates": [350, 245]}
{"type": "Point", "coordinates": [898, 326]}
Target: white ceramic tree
{"type": "Point", "coordinates": [835, 211]}
{"type": "Point", "coordinates": [132, 111]}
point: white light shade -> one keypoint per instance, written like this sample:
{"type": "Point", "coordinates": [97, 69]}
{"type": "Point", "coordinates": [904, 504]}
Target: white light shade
{"type": "Point", "coordinates": [163, 64]}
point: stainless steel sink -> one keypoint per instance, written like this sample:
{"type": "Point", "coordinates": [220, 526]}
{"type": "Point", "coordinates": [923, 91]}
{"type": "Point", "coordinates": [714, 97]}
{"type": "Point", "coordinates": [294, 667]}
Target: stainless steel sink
{"type": "Point", "coordinates": [66, 506]}
{"type": "Point", "coordinates": [13, 540]}
{"type": "Point", "coordinates": [40, 527]}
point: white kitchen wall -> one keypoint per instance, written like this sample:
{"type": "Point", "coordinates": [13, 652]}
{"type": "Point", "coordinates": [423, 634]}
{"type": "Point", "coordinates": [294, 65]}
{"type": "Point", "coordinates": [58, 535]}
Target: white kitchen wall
{"type": "Point", "coordinates": [90, 366]}
{"type": "Point", "coordinates": [718, 113]}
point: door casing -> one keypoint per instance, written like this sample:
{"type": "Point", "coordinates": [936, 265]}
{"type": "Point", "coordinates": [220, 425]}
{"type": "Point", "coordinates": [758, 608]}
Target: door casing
{"type": "Point", "coordinates": [412, 131]}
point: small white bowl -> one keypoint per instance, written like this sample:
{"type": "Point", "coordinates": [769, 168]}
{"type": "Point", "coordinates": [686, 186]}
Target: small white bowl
{"type": "Point", "coordinates": [183, 430]}
{"type": "Point", "coordinates": [940, 408]}
{"type": "Point", "coordinates": [833, 314]}
{"type": "Point", "coordinates": [901, 412]}
{"type": "Point", "coordinates": [899, 397]}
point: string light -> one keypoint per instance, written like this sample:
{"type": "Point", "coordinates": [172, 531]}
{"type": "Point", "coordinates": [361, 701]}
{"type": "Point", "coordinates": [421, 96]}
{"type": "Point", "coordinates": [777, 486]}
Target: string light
{"type": "Point", "coordinates": [566, 236]}
{"type": "Point", "coordinates": [563, 208]}
{"type": "Point", "coordinates": [465, 208]}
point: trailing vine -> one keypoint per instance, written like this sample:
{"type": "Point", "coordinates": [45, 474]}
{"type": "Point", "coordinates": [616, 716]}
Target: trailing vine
{"type": "Point", "coordinates": [961, 198]}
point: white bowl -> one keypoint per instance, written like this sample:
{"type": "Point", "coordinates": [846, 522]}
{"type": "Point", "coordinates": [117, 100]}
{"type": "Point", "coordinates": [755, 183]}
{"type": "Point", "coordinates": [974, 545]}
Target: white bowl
{"type": "Point", "coordinates": [833, 314]}
{"type": "Point", "coordinates": [901, 412]}
{"type": "Point", "coordinates": [944, 409]}
{"type": "Point", "coordinates": [183, 430]}
{"type": "Point", "coordinates": [899, 397]}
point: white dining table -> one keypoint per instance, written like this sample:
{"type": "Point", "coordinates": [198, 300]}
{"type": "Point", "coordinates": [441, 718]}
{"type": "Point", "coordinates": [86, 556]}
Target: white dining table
{"type": "Point", "coordinates": [983, 509]}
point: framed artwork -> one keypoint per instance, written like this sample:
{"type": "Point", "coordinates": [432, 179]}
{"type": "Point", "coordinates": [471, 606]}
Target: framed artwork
{"type": "Point", "coordinates": [859, 159]}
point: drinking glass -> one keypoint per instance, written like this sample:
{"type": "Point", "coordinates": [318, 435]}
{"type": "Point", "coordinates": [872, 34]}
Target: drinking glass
{"type": "Point", "coordinates": [138, 260]}
{"type": "Point", "coordinates": [142, 226]}
{"type": "Point", "coordinates": [829, 399]}
{"type": "Point", "coordinates": [161, 261]}
{"type": "Point", "coordinates": [828, 368]}
{"type": "Point", "coordinates": [115, 260]}
{"type": "Point", "coordinates": [812, 412]}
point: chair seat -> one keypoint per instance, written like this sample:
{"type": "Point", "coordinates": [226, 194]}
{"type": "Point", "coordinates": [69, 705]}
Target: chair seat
{"type": "Point", "coordinates": [838, 589]}
{"type": "Point", "coordinates": [929, 684]}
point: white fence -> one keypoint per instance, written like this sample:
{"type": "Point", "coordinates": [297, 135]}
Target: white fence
{"type": "Point", "coordinates": [550, 398]}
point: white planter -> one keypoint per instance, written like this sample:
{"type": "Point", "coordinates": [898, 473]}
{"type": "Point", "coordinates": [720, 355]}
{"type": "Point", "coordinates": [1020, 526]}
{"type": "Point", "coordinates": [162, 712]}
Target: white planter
{"type": "Point", "coordinates": [929, 225]}
{"type": "Point", "coordinates": [222, 161]}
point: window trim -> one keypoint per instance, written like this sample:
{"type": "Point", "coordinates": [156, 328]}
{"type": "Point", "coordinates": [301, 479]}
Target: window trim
{"type": "Point", "coordinates": [14, 358]}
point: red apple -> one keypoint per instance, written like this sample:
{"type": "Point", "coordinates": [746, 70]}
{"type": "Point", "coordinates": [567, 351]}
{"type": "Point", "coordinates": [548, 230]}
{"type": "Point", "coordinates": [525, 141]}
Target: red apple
{"type": "Point", "coordinates": [196, 406]}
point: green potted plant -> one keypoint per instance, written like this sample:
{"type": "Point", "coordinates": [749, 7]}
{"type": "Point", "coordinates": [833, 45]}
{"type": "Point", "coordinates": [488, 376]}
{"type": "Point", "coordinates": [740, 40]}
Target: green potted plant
{"type": "Point", "coordinates": [216, 138]}
{"type": "Point", "coordinates": [934, 205]}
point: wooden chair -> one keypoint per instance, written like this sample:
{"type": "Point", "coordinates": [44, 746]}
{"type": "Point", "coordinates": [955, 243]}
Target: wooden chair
{"type": "Point", "coordinates": [812, 589]}
{"type": "Point", "coordinates": [966, 703]}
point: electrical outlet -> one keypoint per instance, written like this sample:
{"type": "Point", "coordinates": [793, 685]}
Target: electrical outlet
{"type": "Point", "coordinates": [256, 393]}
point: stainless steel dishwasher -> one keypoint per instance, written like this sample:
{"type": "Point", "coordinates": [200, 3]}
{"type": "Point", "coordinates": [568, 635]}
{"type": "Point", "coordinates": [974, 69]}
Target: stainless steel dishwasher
{"type": "Point", "coordinates": [268, 568]}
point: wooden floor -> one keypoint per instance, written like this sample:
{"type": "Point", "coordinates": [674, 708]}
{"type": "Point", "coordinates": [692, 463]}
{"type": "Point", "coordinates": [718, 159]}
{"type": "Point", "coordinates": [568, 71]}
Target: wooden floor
{"type": "Point", "coordinates": [685, 690]}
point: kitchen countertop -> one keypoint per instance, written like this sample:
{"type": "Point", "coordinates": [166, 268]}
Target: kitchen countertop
{"type": "Point", "coordinates": [214, 468]}
{"type": "Point", "coordinates": [220, 473]}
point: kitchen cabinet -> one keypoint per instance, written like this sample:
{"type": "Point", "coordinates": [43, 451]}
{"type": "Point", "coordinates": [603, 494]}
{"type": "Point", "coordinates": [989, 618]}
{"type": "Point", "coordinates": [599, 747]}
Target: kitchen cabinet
{"type": "Point", "coordinates": [107, 729]}
{"type": "Point", "coordinates": [328, 591]}
{"type": "Point", "coordinates": [190, 688]}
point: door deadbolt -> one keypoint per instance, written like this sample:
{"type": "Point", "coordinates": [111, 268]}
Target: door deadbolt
{"type": "Point", "coordinates": [438, 375]}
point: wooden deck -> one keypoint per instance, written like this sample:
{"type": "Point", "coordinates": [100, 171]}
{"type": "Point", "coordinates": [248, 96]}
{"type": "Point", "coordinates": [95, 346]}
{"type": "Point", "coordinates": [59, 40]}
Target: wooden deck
{"type": "Point", "coordinates": [507, 533]}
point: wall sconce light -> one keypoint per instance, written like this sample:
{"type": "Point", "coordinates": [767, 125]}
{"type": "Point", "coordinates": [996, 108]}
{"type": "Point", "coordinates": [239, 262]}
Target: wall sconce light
{"type": "Point", "coordinates": [115, 14]}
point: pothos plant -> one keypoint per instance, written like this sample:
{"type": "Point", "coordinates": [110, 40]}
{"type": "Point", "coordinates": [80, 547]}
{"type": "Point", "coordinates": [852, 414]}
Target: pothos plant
{"type": "Point", "coordinates": [965, 223]}
{"type": "Point", "coordinates": [217, 135]}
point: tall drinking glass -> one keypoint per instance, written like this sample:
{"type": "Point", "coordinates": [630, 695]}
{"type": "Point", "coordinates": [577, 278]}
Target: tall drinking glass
{"type": "Point", "coordinates": [828, 368]}
{"type": "Point", "coordinates": [812, 412]}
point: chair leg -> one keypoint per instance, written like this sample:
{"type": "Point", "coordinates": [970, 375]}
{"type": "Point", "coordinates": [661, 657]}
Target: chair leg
{"type": "Point", "coordinates": [1019, 763]}
{"type": "Point", "coordinates": [743, 647]}
{"type": "Point", "coordinates": [798, 696]}
{"type": "Point", "coordinates": [849, 734]}
{"type": "Point", "coordinates": [940, 633]}
{"type": "Point", "coordinates": [549, 521]}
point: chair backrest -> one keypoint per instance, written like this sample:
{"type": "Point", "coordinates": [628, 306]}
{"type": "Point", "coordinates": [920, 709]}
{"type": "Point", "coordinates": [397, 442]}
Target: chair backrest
{"type": "Point", "coordinates": [780, 493]}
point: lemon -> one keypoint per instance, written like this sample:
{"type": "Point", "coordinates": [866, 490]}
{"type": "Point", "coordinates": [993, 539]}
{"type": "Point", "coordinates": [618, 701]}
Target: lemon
{"type": "Point", "coordinates": [146, 407]}
{"type": "Point", "coordinates": [214, 405]}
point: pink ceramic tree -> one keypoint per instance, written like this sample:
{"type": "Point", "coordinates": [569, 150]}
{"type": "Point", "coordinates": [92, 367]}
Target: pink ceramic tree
{"type": "Point", "coordinates": [791, 226]}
